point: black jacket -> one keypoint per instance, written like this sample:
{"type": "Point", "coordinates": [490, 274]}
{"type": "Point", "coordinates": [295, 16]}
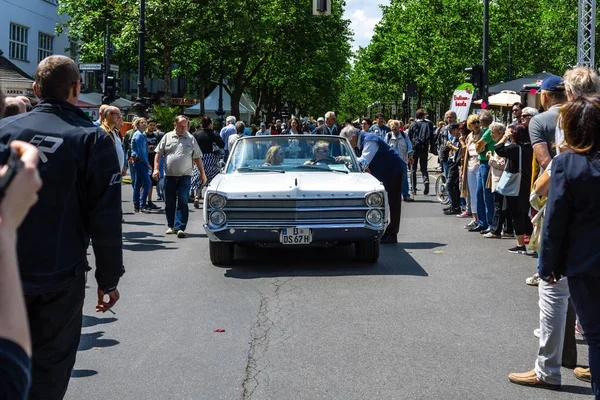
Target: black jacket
{"type": "Point", "coordinates": [206, 138]}
{"type": "Point", "coordinates": [572, 222]}
{"type": "Point", "coordinates": [80, 199]}
{"type": "Point", "coordinates": [324, 130]}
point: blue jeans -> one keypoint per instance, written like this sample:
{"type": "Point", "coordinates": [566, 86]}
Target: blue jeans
{"type": "Point", "coordinates": [585, 293]}
{"type": "Point", "coordinates": [140, 179]}
{"type": "Point", "coordinates": [405, 184]}
{"type": "Point", "coordinates": [485, 197]}
{"type": "Point", "coordinates": [177, 189]}
{"type": "Point", "coordinates": [445, 169]}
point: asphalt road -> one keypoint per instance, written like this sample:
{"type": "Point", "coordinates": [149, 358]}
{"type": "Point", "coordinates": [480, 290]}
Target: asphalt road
{"type": "Point", "coordinates": [445, 314]}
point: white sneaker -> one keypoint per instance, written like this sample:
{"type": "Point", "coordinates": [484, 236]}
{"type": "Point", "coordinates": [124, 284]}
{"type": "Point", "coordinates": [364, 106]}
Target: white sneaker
{"type": "Point", "coordinates": [170, 231]}
{"type": "Point", "coordinates": [533, 280]}
{"type": "Point", "coordinates": [537, 332]}
{"type": "Point", "coordinates": [181, 234]}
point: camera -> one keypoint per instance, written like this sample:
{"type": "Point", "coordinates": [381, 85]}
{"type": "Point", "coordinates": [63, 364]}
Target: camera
{"type": "Point", "coordinates": [9, 157]}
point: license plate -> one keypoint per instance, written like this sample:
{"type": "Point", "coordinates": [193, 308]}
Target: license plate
{"type": "Point", "coordinates": [295, 236]}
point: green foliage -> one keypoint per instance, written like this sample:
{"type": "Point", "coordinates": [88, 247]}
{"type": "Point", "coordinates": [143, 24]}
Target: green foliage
{"type": "Point", "coordinates": [165, 117]}
{"type": "Point", "coordinates": [274, 49]}
{"type": "Point", "coordinates": [430, 42]}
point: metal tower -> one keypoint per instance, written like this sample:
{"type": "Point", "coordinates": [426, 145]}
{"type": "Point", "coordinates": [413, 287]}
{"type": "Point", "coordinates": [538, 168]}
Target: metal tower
{"type": "Point", "coordinates": [586, 37]}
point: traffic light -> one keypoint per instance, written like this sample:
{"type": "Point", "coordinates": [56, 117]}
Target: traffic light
{"type": "Point", "coordinates": [475, 76]}
{"type": "Point", "coordinates": [112, 85]}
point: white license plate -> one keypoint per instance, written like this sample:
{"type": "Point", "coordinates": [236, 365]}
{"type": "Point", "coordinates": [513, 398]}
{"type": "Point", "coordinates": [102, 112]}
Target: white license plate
{"type": "Point", "coordinates": [295, 236]}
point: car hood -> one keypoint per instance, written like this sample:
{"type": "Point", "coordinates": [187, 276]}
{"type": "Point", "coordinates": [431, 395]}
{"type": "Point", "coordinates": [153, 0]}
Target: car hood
{"type": "Point", "coordinates": [293, 184]}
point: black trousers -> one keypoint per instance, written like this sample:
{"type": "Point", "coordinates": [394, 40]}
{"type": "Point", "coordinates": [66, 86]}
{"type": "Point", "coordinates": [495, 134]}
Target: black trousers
{"type": "Point", "coordinates": [393, 187]}
{"type": "Point", "coordinates": [419, 158]}
{"type": "Point", "coordinates": [500, 216]}
{"type": "Point", "coordinates": [452, 185]}
{"type": "Point", "coordinates": [55, 322]}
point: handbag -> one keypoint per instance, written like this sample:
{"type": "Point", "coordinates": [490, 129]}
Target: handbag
{"type": "Point", "coordinates": [510, 183]}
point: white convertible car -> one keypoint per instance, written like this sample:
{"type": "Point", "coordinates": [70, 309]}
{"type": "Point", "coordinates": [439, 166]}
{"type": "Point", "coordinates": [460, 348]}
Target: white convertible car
{"type": "Point", "coordinates": [294, 190]}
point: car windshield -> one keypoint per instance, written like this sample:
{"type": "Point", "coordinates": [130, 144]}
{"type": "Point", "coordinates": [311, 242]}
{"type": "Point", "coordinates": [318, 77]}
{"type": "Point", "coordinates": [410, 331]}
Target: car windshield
{"type": "Point", "coordinates": [280, 154]}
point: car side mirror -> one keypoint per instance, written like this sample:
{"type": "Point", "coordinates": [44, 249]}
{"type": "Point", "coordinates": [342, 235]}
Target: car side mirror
{"type": "Point", "coordinates": [221, 165]}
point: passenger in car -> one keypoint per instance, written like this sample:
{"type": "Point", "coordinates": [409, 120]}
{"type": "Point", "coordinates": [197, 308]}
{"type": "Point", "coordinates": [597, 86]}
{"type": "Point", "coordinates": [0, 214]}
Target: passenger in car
{"type": "Point", "coordinates": [274, 156]}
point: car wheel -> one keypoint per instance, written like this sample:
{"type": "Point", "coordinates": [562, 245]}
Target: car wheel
{"type": "Point", "coordinates": [367, 251]}
{"type": "Point", "coordinates": [221, 253]}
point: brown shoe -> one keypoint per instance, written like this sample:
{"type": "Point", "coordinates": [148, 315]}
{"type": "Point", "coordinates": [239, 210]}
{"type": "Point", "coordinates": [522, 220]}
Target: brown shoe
{"type": "Point", "coordinates": [530, 378]}
{"type": "Point", "coordinates": [583, 374]}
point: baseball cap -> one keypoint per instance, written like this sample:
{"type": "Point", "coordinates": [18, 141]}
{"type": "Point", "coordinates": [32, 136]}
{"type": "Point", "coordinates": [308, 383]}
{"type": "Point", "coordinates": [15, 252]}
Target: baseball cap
{"type": "Point", "coordinates": [262, 124]}
{"type": "Point", "coordinates": [553, 83]}
{"type": "Point", "coordinates": [320, 119]}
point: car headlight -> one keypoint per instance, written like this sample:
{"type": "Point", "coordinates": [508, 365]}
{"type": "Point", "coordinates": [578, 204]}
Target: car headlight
{"type": "Point", "coordinates": [217, 201]}
{"type": "Point", "coordinates": [374, 200]}
{"type": "Point", "coordinates": [217, 218]}
{"type": "Point", "coordinates": [374, 217]}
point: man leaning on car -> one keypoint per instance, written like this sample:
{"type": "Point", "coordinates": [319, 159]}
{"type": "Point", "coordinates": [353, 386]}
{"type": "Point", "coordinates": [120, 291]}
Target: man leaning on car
{"type": "Point", "coordinates": [385, 164]}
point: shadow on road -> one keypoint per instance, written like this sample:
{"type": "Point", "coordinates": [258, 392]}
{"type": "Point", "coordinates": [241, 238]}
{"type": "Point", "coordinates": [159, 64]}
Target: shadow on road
{"type": "Point", "coordinates": [252, 263]}
{"type": "Point", "coordinates": [141, 223]}
{"type": "Point", "coordinates": [83, 373]}
{"type": "Point", "coordinates": [576, 389]}
{"type": "Point", "coordinates": [139, 241]}
{"type": "Point", "coordinates": [93, 321]}
{"type": "Point", "coordinates": [91, 340]}
{"type": "Point", "coordinates": [420, 245]}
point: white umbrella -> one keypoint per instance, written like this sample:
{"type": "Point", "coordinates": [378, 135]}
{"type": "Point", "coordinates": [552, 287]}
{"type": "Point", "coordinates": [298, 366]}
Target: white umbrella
{"type": "Point", "coordinates": [505, 98]}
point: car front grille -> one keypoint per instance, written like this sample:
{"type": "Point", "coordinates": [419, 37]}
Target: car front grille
{"type": "Point", "coordinates": [295, 211]}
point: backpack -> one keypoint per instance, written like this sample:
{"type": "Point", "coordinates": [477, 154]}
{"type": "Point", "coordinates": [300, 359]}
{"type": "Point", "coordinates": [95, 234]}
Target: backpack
{"type": "Point", "coordinates": [420, 135]}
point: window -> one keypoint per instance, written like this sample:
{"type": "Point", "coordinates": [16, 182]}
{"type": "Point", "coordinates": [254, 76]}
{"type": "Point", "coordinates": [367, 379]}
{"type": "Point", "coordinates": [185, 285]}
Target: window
{"type": "Point", "coordinates": [44, 46]}
{"type": "Point", "coordinates": [18, 42]}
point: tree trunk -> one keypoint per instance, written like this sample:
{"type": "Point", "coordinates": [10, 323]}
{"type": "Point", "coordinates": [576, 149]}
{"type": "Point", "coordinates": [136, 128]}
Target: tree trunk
{"type": "Point", "coordinates": [202, 94]}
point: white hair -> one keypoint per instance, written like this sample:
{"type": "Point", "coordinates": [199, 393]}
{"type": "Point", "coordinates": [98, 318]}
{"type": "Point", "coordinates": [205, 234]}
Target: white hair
{"type": "Point", "coordinates": [530, 110]}
{"type": "Point", "coordinates": [329, 114]}
{"type": "Point", "coordinates": [497, 126]}
{"type": "Point", "coordinates": [349, 132]}
{"type": "Point", "coordinates": [231, 119]}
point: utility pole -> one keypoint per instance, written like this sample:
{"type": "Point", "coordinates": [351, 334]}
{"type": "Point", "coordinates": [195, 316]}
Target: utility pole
{"type": "Point", "coordinates": [140, 104]}
{"type": "Point", "coordinates": [586, 36]}
{"type": "Point", "coordinates": [486, 51]}
{"type": "Point", "coordinates": [107, 51]}
{"type": "Point", "coordinates": [220, 111]}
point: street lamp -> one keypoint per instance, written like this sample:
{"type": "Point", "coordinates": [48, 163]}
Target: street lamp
{"type": "Point", "coordinates": [140, 105]}
{"type": "Point", "coordinates": [220, 111]}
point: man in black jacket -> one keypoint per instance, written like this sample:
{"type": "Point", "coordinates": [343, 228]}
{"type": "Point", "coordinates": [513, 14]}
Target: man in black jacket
{"type": "Point", "coordinates": [80, 199]}
{"type": "Point", "coordinates": [330, 127]}
{"type": "Point", "coordinates": [421, 136]}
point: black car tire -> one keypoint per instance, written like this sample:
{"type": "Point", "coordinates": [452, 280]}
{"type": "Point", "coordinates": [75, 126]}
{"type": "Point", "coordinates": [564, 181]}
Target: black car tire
{"type": "Point", "coordinates": [221, 253]}
{"type": "Point", "coordinates": [367, 251]}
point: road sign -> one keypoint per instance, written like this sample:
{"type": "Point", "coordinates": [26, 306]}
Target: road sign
{"type": "Point", "coordinates": [91, 67]}
{"type": "Point", "coordinates": [98, 67]}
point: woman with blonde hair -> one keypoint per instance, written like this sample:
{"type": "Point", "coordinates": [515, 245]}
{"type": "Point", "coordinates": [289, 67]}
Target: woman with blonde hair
{"type": "Point", "coordinates": [140, 166]}
{"type": "Point", "coordinates": [470, 169]}
{"type": "Point", "coordinates": [274, 156]}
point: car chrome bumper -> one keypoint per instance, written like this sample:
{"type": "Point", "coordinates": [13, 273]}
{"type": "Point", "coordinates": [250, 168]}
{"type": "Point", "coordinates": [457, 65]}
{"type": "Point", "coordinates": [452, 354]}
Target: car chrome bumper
{"type": "Point", "coordinates": [321, 234]}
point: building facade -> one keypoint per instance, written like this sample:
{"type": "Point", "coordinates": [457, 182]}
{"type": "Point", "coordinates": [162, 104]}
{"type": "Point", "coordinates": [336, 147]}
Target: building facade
{"type": "Point", "coordinates": [28, 32]}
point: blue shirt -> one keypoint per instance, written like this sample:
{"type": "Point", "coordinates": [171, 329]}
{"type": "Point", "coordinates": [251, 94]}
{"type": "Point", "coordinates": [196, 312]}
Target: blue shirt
{"type": "Point", "coordinates": [139, 146]}
{"type": "Point", "coordinates": [226, 132]}
{"type": "Point", "coordinates": [382, 131]}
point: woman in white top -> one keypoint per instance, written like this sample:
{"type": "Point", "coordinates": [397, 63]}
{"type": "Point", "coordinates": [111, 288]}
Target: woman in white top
{"type": "Point", "coordinates": [470, 169]}
{"type": "Point", "coordinates": [399, 141]}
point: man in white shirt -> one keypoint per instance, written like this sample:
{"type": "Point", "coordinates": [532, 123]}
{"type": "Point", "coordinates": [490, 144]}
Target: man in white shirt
{"type": "Point", "coordinates": [180, 150]}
